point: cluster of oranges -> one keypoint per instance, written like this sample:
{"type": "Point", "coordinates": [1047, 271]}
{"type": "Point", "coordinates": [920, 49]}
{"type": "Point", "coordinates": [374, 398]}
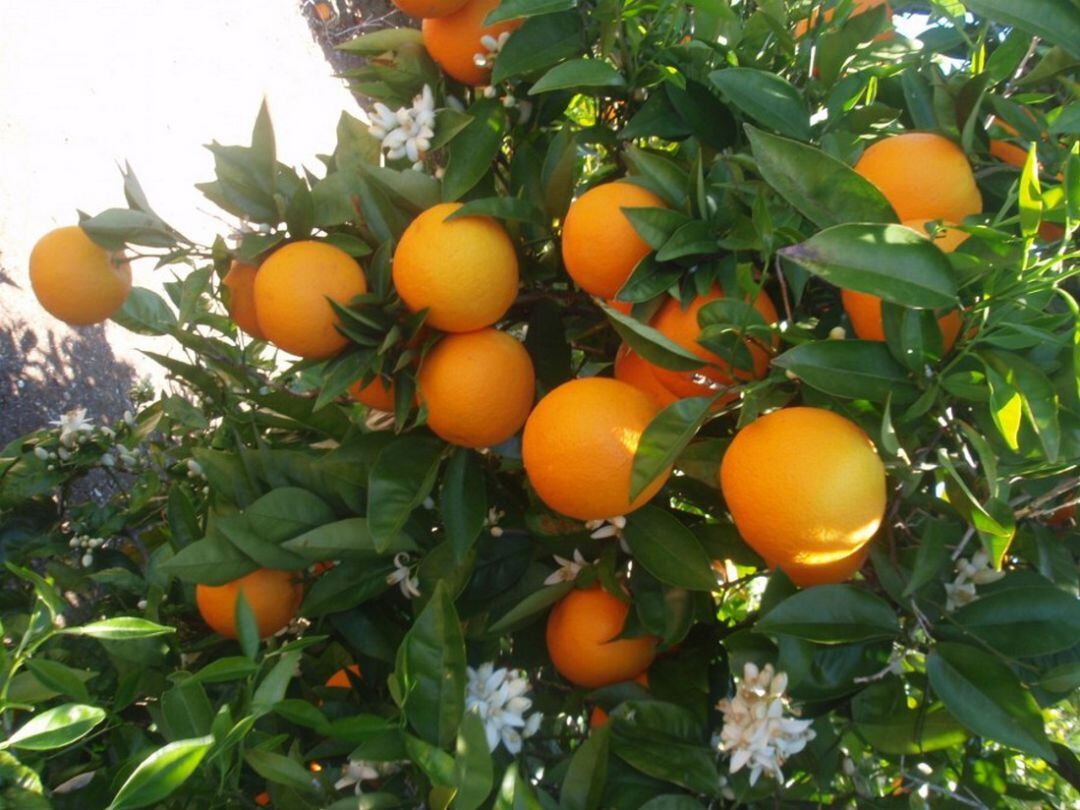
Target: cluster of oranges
{"type": "Point", "coordinates": [805, 486]}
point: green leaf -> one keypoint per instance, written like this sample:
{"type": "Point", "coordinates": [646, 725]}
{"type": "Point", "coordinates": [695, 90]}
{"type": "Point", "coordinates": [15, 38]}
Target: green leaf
{"type": "Point", "coordinates": [300, 213]}
{"type": "Point", "coordinates": [1052, 20]}
{"type": "Point", "coordinates": [437, 765]}
{"type": "Point", "coordinates": [659, 174]}
{"type": "Point", "coordinates": [161, 773]}
{"type": "Point", "coordinates": [116, 227]}
{"type": "Point", "coordinates": [578, 73]}
{"type": "Point", "coordinates": [61, 678]}
{"type": "Point", "coordinates": [344, 539]}
{"type": "Point", "coordinates": [832, 614]}
{"type": "Point", "coordinates": [583, 785]}
{"type": "Point", "coordinates": [280, 769]}
{"type": "Point", "coordinates": [1062, 679]}
{"type": "Point", "coordinates": [532, 605]}
{"type": "Point", "coordinates": [932, 556]}
{"type": "Point", "coordinates": [1038, 398]}
{"type": "Point", "coordinates": [186, 711]}
{"type": "Point", "coordinates": [55, 728]}
{"type": "Point", "coordinates": [672, 801]}
{"type": "Point", "coordinates": [463, 502]}
{"type": "Point", "coordinates": [402, 476]}
{"type": "Point", "coordinates": [822, 188]}
{"type": "Point", "coordinates": [540, 43]}
{"type": "Point", "coordinates": [247, 626]}
{"type": "Point", "coordinates": [665, 437]}
{"type": "Point", "coordinates": [473, 769]}
{"type": "Point", "coordinates": [515, 9]}
{"type": "Point", "coordinates": [516, 793]}
{"type": "Point", "coordinates": [655, 225]}
{"type": "Point", "coordinates": [474, 150]}
{"type": "Point", "coordinates": [272, 688]}
{"type": "Point", "coordinates": [120, 628]}
{"type": "Point", "coordinates": [1021, 622]}
{"type": "Point", "coordinates": [666, 742]}
{"type": "Point", "coordinates": [508, 208]}
{"type": "Point", "coordinates": [856, 369]}
{"type": "Point", "coordinates": [767, 98]}
{"type": "Point", "coordinates": [232, 668]}
{"type": "Point", "coordinates": [430, 671]}
{"type": "Point", "coordinates": [379, 42]}
{"type": "Point", "coordinates": [211, 561]}
{"type": "Point", "coordinates": [985, 695]}
{"type": "Point", "coordinates": [345, 586]}
{"type": "Point", "coordinates": [668, 550]}
{"type": "Point", "coordinates": [883, 718]}
{"type": "Point", "coordinates": [650, 344]}
{"type": "Point", "coordinates": [545, 340]}
{"type": "Point", "coordinates": [145, 313]}
{"type": "Point", "coordinates": [890, 261]}
{"type": "Point", "coordinates": [285, 512]}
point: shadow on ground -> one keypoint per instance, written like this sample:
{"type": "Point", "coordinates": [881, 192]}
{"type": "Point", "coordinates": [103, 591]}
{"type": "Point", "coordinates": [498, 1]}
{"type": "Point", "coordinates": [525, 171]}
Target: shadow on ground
{"type": "Point", "coordinates": [43, 374]}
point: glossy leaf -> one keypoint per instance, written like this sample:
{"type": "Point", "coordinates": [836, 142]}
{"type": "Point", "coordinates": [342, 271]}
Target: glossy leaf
{"type": "Point", "coordinates": [578, 73]}
{"type": "Point", "coordinates": [55, 728]}
{"type": "Point", "coordinates": [474, 149]}
{"type": "Point", "coordinates": [349, 538]}
{"type": "Point", "coordinates": [540, 43]}
{"type": "Point", "coordinates": [474, 772]}
{"type": "Point", "coordinates": [823, 189]}
{"type": "Point", "coordinates": [120, 628]}
{"type": "Point", "coordinates": [668, 550]}
{"type": "Point", "coordinates": [401, 478]}
{"type": "Point", "coordinates": [890, 261]}
{"type": "Point", "coordinates": [883, 718]}
{"type": "Point", "coordinates": [463, 501]}
{"type": "Point", "coordinates": [650, 344]}
{"type": "Point", "coordinates": [985, 695]}
{"type": "Point", "coordinates": [1052, 20]}
{"type": "Point", "coordinates": [832, 614]}
{"type": "Point", "coordinates": [583, 785]}
{"type": "Point", "coordinates": [1021, 622]}
{"type": "Point", "coordinates": [664, 439]}
{"type": "Point", "coordinates": [855, 369]}
{"type": "Point", "coordinates": [767, 98]}
{"type": "Point", "coordinates": [161, 773]}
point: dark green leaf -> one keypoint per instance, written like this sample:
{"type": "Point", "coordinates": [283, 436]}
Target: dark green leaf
{"type": "Point", "coordinates": [823, 189]}
{"type": "Point", "coordinates": [343, 539]}
{"type": "Point", "coordinates": [883, 718]}
{"type": "Point", "coordinates": [650, 344]}
{"type": "Point", "coordinates": [1052, 20]}
{"type": "Point", "coordinates": [767, 98]}
{"type": "Point", "coordinates": [145, 313]}
{"type": "Point", "coordinates": [463, 500]}
{"type": "Point", "coordinates": [578, 73]}
{"type": "Point", "coordinates": [1022, 622]}
{"type": "Point", "coordinates": [401, 478]}
{"type": "Point", "coordinates": [161, 773]}
{"type": "Point", "coordinates": [664, 439]}
{"type": "Point", "coordinates": [513, 9]}
{"type": "Point", "coordinates": [832, 614]}
{"type": "Point", "coordinates": [540, 43]}
{"type": "Point", "coordinates": [856, 369]}
{"type": "Point", "coordinates": [668, 550]}
{"type": "Point", "coordinates": [890, 261]}
{"type": "Point", "coordinates": [473, 769]}
{"type": "Point", "coordinates": [474, 150]}
{"type": "Point", "coordinates": [985, 695]}
{"type": "Point", "coordinates": [583, 785]}
{"type": "Point", "coordinates": [508, 208]}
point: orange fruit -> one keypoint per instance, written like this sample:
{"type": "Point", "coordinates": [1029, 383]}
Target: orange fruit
{"type": "Point", "coordinates": [630, 367]}
{"type": "Point", "coordinates": [454, 40]}
{"type": "Point", "coordinates": [291, 292]}
{"type": "Point", "coordinates": [478, 387]}
{"type": "Point", "coordinates": [841, 570]}
{"type": "Point", "coordinates": [240, 282]}
{"type": "Point", "coordinates": [620, 306]}
{"type": "Point", "coordinates": [923, 176]}
{"type": "Point", "coordinates": [819, 18]}
{"type": "Point", "coordinates": [426, 9]}
{"type": "Point", "coordinates": [75, 279]}
{"type": "Point", "coordinates": [806, 490]}
{"type": "Point", "coordinates": [1008, 152]}
{"type": "Point", "coordinates": [579, 445]}
{"type": "Point", "coordinates": [599, 717]}
{"type": "Point", "coordinates": [580, 633]}
{"type": "Point", "coordinates": [864, 309]}
{"type": "Point", "coordinates": [377, 394]}
{"type": "Point", "coordinates": [272, 595]}
{"type": "Point", "coordinates": [464, 272]}
{"type": "Point", "coordinates": [340, 679]}
{"type": "Point", "coordinates": [600, 247]}
{"type": "Point", "coordinates": [681, 326]}
{"type": "Point", "coordinates": [263, 799]}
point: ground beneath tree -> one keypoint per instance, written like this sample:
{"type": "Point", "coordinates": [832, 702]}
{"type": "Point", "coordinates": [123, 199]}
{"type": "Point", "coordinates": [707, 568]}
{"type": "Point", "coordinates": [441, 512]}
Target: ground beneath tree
{"type": "Point", "coordinates": [96, 84]}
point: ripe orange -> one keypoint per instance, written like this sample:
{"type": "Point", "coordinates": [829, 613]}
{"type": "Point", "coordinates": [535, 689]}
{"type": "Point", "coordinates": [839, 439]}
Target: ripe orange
{"type": "Point", "coordinates": [600, 247]}
{"type": "Point", "coordinates": [272, 595]}
{"type": "Point", "coordinates": [579, 445]}
{"type": "Point", "coordinates": [599, 717]}
{"type": "Point", "coordinates": [340, 679]}
{"type": "Point", "coordinates": [806, 489]}
{"type": "Point", "coordinates": [630, 367]}
{"type": "Point", "coordinates": [923, 176]}
{"type": "Point", "coordinates": [580, 630]}
{"type": "Point", "coordinates": [818, 18]}
{"type": "Point", "coordinates": [291, 292]}
{"type": "Point", "coordinates": [478, 387]}
{"type": "Point", "coordinates": [376, 394]}
{"type": "Point", "coordinates": [454, 40]}
{"type": "Point", "coordinates": [425, 9]}
{"type": "Point", "coordinates": [864, 309]}
{"type": "Point", "coordinates": [263, 799]}
{"type": "Point", "coordinates": [240, 282]}
{"type": "Point", "coordinates": [76, 280]}
{"type": "Point", "coordinates": [464, 272]}
{"type": "Point", "coordinates": [681, 325]}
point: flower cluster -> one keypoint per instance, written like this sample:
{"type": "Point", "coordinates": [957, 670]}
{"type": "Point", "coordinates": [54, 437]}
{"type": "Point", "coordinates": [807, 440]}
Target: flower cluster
{"type": "Point", "coordinates": [407, 131]}
{"type": "Point", "coordinates": [87, 544]}
{"type": "Point", "coordinates": [759, 731]}
{"type": "Point", "coordinates": [498, 696]}
{"type": "Point", "coordinates": [358, 771]}
{"type": "Point", "coordinates": [492, 48]}
{"type": "Point", "coordinates": [969, 573]}
{"type": "Point", "coordinates": [74, 427]}
{"type": "Point", "coordinates": [602, 529]}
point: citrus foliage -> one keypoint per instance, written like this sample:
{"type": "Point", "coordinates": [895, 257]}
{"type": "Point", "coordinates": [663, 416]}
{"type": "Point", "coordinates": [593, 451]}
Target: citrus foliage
{"type": "Point", "coordinates": [845, 356]}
